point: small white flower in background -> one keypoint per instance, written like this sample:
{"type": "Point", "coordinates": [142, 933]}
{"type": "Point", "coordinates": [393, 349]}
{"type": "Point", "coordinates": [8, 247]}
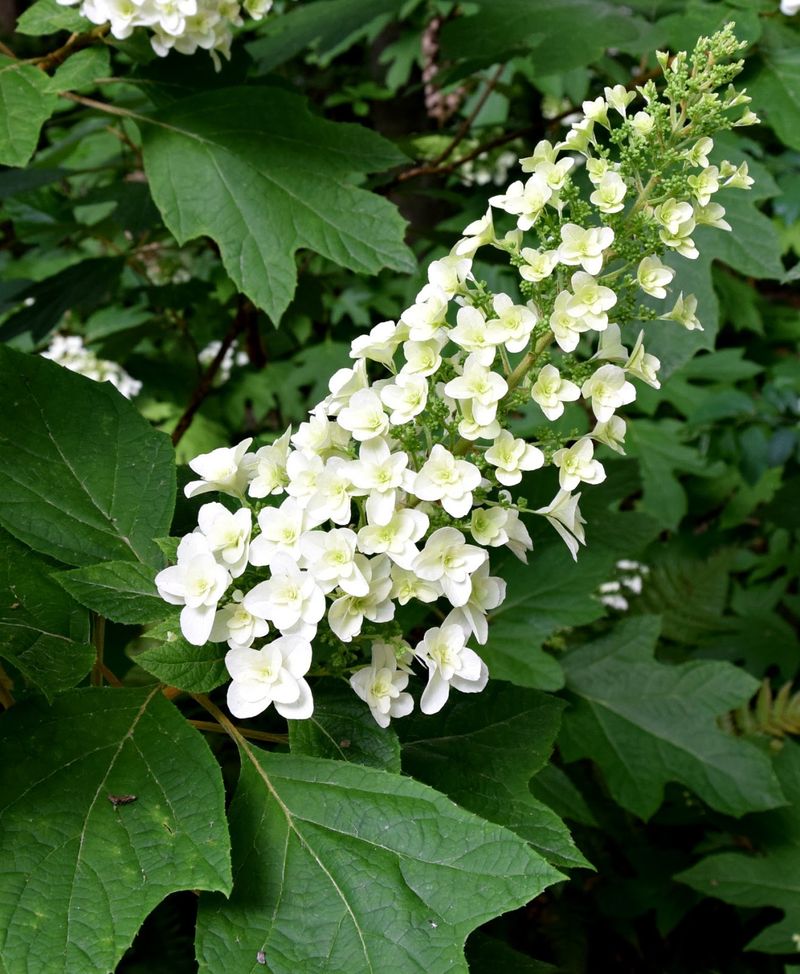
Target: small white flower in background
{"type": "Point", "coordinates": [197, 582]}
{"type": "Point", "coordinates": [476, 234]}
{"type": "Point", "coordinates": [704, 184]}
{"type": "Point", "coordinates": [450, 662]}
{"type": "Point", "coordinates": [406, 585]}
{"type": "Point", "coordinates": [496, 526]}
{"type": "Point", "coordinates": [449, 273]}
{"type": "Point", "coordinates": [550, 392]}
{"type": "Point", "coordinates": [330, 499]}
{"type": "Point", "coordinates": [654, 276]}
{"type": "Point", "coordinates": [271, 675]}
{"type": "Point", "coordinates": [69, 351]}
{"type": "Point", "coordinates": [684, 312]}
{"type": "Point", "coordinates": [511, 456]}
{"type": "Point", "coordinates": [381, 685]}
{"type": "Point", "coordinates": [738, 179]}
{"type": "Point", "coordinates": [577, 464]}
{"type": "Point", "coordinates": [611, 433]}
{"type": "Point", "coordinates": [224, 469]}
{"type": "Point", "coordinates": [608, 389]}
{"type": "Point", "coordinates": [424, 319]}
{"type": "Point", "coordinates": [698, 154]}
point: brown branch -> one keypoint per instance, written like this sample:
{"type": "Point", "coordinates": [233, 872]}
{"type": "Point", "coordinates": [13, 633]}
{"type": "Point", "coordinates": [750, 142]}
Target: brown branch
{"type": "Point", "coordinates": [111, 678]}
{"type": "Point", "coordinates": [75, 43]}
{"type": "Point", "coordinates": [5, 49]}
{"type": "Point", "coordinates": [210, 727]}
{"type": "Point", "coordinates": [203, 387]}
{"type": "Point", "coordinates": [6, 697]}
{"type": "Point", "coordinates": [434, 169]}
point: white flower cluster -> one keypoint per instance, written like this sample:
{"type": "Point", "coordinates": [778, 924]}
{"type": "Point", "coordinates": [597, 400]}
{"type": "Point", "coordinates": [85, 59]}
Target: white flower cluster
{"type": "Point", "coordinates": [181, 25]}
{"type": "Point", "coordinates": [69, 351]}
{"type": "Point", "coordinates": [395, 488]}
{"type": "Point", "coordinates": [233, 358]}
{"type": "Point", "coordinates": [616, 593]}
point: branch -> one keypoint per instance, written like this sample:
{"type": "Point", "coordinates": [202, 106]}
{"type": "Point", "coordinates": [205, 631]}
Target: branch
{"type": "Point", "coordinates": [75, 43]}
{"type": "Point", "coordinates": [6, 697]}
{"type": "Point", "coordinates": [203, 387]}
{"type": "Point", "coordinates": [211, 727]}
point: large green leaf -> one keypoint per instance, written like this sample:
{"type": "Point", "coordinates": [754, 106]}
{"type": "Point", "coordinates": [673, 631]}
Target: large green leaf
{"type": "Point", "coordinates": [342, 728]}
{"type": "Point", "coordinates": [560, 34]}
{"type": "Point", "coordinates": [43, 632]}
{"type": "Point", "coordinates": [256, 171]}
{"type": "Point", "coordinates": [80, 873]}
{"type": "Point", "coordinates": [123, 591]}
{"type": "Point", "coordinates": [49, 16]}
{"type": "Point", "coordinates": [776, 92]}
{"type": "Point", "coordinates": [176, 662]}
{"type": "Point", "coordinates": [483, 750]}
{"type": "Point", "coordinates": [339, 867]}
{"type": "Point", "coordinates": [647, 723]}
{"type": "Point", "coordinates": [25, 105]}
{"type": "Point", "coordinates": [768, 876]}
{"type": "Point", "coordinates": [83, 477]}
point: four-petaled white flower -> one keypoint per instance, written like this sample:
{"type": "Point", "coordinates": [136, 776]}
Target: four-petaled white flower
{"type": "Point", "coordinates": [225, 469]}
{"type": "Point", "coordinates": [449, 560]}
{"type": "Point", "coordinates": [407, 396]}
{"type": "Point", "coordinates": [550, 392]}
{"type": "Point", "coordinates": [515, 321]}
{"type": "Point", "coordinates": [445, 478]}
{"type": "Point", "coordinates": [381, 685]}
{"type": "Point", "coordinates": [685, 312]}
{"type": "Point", "coordinates": [271, 675]}
{"type": "Point", "coordinates": [228, 535]}
{"type": "Point", "coordinates": [584, 247]}
{"type": "Point", "coordinates": [197, 582]}
{"type": "Point", "coordinates": [291, 599]}
{"type": "Point", "coordinates": [450, 662]}
{"type": "Point", "coordinates": [363, 416]}
{"type": "Point", "coordinates": [511, 456]}
{"type": "Point", "coordinates": [608, 389]}
{"type": "Point", "coordinates": [653, 276]}
{"type": "Point", "coordinates": [576, 463]}
{"type": "Point", "coordinates": [379, 473]}
{"type": "Point", "coordinates": [481, 386]}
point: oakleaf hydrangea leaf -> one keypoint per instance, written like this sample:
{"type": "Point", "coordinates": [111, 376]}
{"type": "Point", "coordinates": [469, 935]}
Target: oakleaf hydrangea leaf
{"type": "Point", "coordinates": [116, 803]}
{"type": "Point", "coordinates": [647, 723]}
{"type": "Point", "coordinates": [345, 868]}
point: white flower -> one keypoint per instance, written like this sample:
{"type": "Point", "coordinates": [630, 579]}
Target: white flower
{"type": "Point", "coordinates": [698, 154]}
{"type": "Point", "coordinates": [550, 392]}
{"type": "Point", "coordinates": [236, 626]}
{"type": "Point", "coordinates": [596, 111]}
{"type": "Point", "coordinates": [407, 396]}
{"type": "Point", "coordinates": [653, 276]}
{"type": "Point", "coordinates": [642, 365]}
{"type": "Point", "coordinates": [619, 98]}
{"type": "Point", "coordinates": [577, 464]}
{"type": "Point", "coordinates": [406, 585]}
{"type": "Point", "coordinates": [331, 497]}
{"type": "Point", "coordinates": [224, 469]}
{"type": "Point", "coordinates": [267, 468]}
{"type": "Point", "coordinates": [330, 558]}
{"type": "Point", "coordinates": [481, 386]}
{"type": "Point", "coordinates": [538, 265]}
{"type": "Point", "coordinates": [609, 197]}
{"type": "Point", "coordinates": [477, 336]}
{"type": "Point", "coordinates": [514, 320]}
{"type": "Point", "coordinates": [673, 214]}
{"type": "Point", "coordinates": [487, 593]}
{"type": "Point", "coordinates": [346, 615]}
{"type": "Point", "coordinates": [422, 358]}
{"type": "Point", "coordinates": [303, 471]}
{"type": "Point", "coordinates": [611, 433]}
{"type": "Point", "coordinates": [555, 174]}
{"type": "Point", "coordinates": [197, 582]}
{"type": "Point", "coordinates": [642, 123]}
{"type": "Point", "coordinates": [566, 328]}
{"type": "Point", "coordinates": [450, 273]}
{"type": "Point", "coordinates": [447, 559]}
{"type": "Point", "coordinates": [291, 599]}
{"type": "Point", "coordinates": [590, 300]}
{"type": "Point", "coordinates": [511, 456]}
{"type": "Point", "coordinates": [739, 178]}
{"type": "Point", "coordinates": [684, 312]}
{"type": "Point", "coordinates": [446, 479]}
{"type": "Point", "coordinates": [363, 416]}
{"type": "Point", "coordinates": [228, 535]}
{"type": "Point", "coordinates": [476, 234]}
{"type": "Point", "coordinates": [584, 247]}
{"type": "Point", "coordinates": [608, 390]}
{"type": "Point", "coordinates": [344, 384]}
{"type": "Point", "coordinates": [610, 346]}
{"type": "Point", "coordinates": [450, 662]}
{"type": "Point", "coordinates": [379, 473]}
{"type": "Point", "coordinates": [470, 429]}
{"type": "Point", "coordinates": [271, 675]}
{"type": "Point", "coordinates": [319, 436]}
{"type": "Point", "coordinates": [596, 168]}
{"type": "Point", "coordinates": [563, 514]}
{"type": "Point", "coordinates": [543, 152]}
{"type": "Point", "coordinates": [425, 318]}
{"type": "Point", "coordinates": [397, 538]}
{"type": "Point", "coordinates": [704, 184]}
{"type": "Point", "coordinates": [526, 201]}
{"type": "Point", "coordinates": [381, 684]}
{"type": "Point", "coordinates": [711, 215]}
{"type": "Point", "coordinates": [280, 531]}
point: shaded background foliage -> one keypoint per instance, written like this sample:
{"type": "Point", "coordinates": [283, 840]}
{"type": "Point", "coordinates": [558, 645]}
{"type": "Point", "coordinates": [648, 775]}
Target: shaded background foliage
{"type": "Point", "coordinates": [225, 236]}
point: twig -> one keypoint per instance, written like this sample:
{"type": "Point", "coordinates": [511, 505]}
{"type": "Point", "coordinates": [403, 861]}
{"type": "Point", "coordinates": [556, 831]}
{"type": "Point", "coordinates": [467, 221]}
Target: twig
{"type": "Point", "coordinates": [75, 43]}
{"type": "Point", "coordinates": [111, 678]}
{"type": "Point", "coordinates": [6, 697]}
{"type": "Point", "coordinates": [4, 49]}
{"type": "Point", "coordinates": [203, 387]}
{"type": "Point", "coordinates": [435, 169]}
{"type": "Point", "coordinates": [214, 728]}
